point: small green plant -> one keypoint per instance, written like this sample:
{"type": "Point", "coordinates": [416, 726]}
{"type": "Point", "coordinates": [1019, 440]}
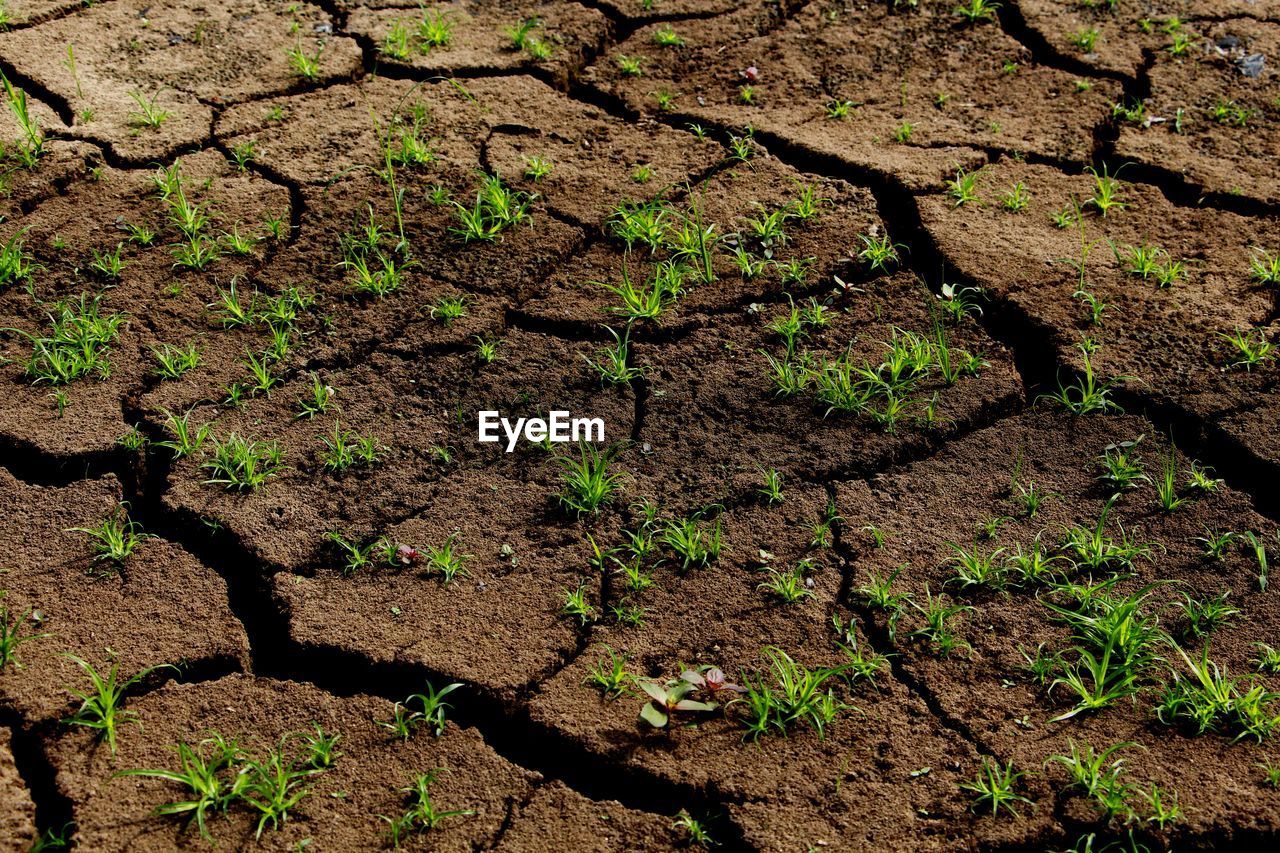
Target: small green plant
{"type": "Point", "coordinates": [1087, 394]}
{"type": "Point", "coordinates": [577, 605]}
{"type": "Point", "coordinates": [788, 695]}
{"type": "Point", "coordinates": [431, 712]}
{"type": "Point", "coordinates": [787, 587]}
{"type": "Point", "coordinates": [173, 361]}
{"type": "Point", "coordinates": [537, 168]}
{"type": "Point", "coordinates": [695, 542]}
{"type": "Point", "coordinates": [977, 11]}
{"type": "Point", "coordinates": [1251, 347]}
{"type": "Point", "coordinates": [609, 674]}
{"type": "Point", "coordinates": [994, 787]}
{"type": "Point", "coordinates": [29, 147]}
{"type": "Point", "coordinates": [665, 36]}
{"type": "Point", "coordinates": [1265, 268]}
{"type": "Point", "coordinates": [13, 635]}
{"type": "Point", "coordinates": [102, 704]}
{"type": "Point", "coordinates": [695, 831]}
{"type": "Point", "coordinates": [1167, 484]}
{"type": "Point", "coordinates": [1106, 191]}
{"type": "Point", "coordinates": [115, 539]}
{"type": "Point", "coordinates": [243, 464]}
{"type": "Point", "coordinates": [421, 814]}
{"type": "Point", "coordinates": [1017, 198]}
{"type": "Point", "coordinates": [348, 449]}
{"type": "Point", "coordinates": [771, 488]}
{"type": "Point", "coordinates": [613, 363]}
{"type": "Point", "coordinates": [630, 66]}
{"type": "Point", "coordinates": [185, 441]}
{"type": "Point", "coordinates": [318, 401]}
{"type": "Point", "coordinates": [964, 187]}
{"type": "Point", "coordinates": [587, 481]}
{"type": "Point", "coordinates": [305, 66]}
{"type": "Point", "coordinates": [149, 113]}
{"type": "Point", "coordinates": [434, 30]}
{"type": "Point", "coordinates": [838, 109]}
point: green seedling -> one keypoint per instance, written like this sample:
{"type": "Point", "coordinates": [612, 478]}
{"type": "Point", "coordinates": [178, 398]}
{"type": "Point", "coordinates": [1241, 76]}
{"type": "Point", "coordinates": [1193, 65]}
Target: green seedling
{"type": "Point", "coordinates": [115, 539]}
{"type": "Point", "coordinates": [13, 635]}
{"type": "Point", "coordinates": [421, 814]}
{"type": "Point", "coordinates": [243, 464]}
{"type": "Point", "coordinates": [609, 674]}
{"type": "Point", "coordinates": [994, 788]}
{"type": "Point", "coordinates": [102, 705]}
{"type": "Point", "coordinates": [588, 485]}
{"type": "Point", "coordinates": [173, 361]}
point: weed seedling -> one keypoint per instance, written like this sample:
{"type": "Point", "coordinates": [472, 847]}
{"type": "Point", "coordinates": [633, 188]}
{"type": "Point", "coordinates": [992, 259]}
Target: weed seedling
{"type": "Point", "coordinates": [421, 814]}
{"type": "Point", "coordinates": [1106, 192]}
{"type": "Point", "coordinates": [665, 36]}
{"type": "Point", "coordinates": [172, 362]}
{"type": "Point", "coordinates": [115, 539]}
{"type": "Point", "coordinates": [994, 787]}
{"type": "Point", "coordinates": [185, 441]}
{"type": "Point", "coordinates": [609, 674]}
{"type": "Point", "coordinates": [695, 832]}
{"type": "Point", "coordinates": [787, 587]}
{"type": "Point", "coordinates": [12, 636]}
{"type": "Point", "coordinates": [30, 146]}
{"type": "Point", "coordinates": [771, 489]}
{"type": "Point", "coordinates": [1016, 199]}
{"type": "Point", "coordinates": [304, 66]}
{"type": "Point", "coordinates": [964, 187]}
{"type": "Point", "coordinates": [577, 605]}
{"type": "Point", "coordinates": [588, 483]}
{"type": "Point", "coordinates": [149, 113]}
{"type": "Point", "coordinates": [977, 11]}
{"type": "Point", "coordinates": [102, 705]}
{"type": "Point", "coordinates": [612, 362]}
{"type": "Point", "coordinates": [203, 773]}
{"type": "Point", "coordinates": [243, 464]}
{"type": "Point", "coordinates": [1251, 348]}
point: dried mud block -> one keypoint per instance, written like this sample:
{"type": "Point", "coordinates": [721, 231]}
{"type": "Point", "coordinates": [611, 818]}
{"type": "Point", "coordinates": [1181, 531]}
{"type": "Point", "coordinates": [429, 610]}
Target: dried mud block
{"type": "Point", "coordinates": [714, 415]}
{"type": "Point", "coordinates": [929, 509]}
{"type": "Point", "coordinates": [749, 206]}
{"type": "Point", "coordinates": [344, 802]}
{"type": "Point", "coordinates": [441, 129]}
{"type": "Point", "coordinates": [1118, 38]}
{"type": "Point", "coordinates": [99, 612]}
{"type": "Point", "coordinates": [558, 817]}
{"type": "Point", "coordinates": [180, 59]}
{"type": "Point", "coordinates": [420, 410]}
{"type": "Point", "coordinates": [497, 624]}
{"type": "Point", "coordinates": [858, 786]}
{"type": "Point", "coordinates": [1167, 338]}
{"type": "Point", "coordinates": [86, 277]}
{"type": "Point", "coordinates": [464, 39]}
{"type": "Point", "coordinates": [17, 811]}
{"type": "Point", "coordinates": [917, 91]}
{"type": "Point", "coordinates": [1229, 131]}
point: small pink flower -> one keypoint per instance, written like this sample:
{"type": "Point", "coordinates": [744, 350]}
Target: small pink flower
{"type": "Point", "coordinates": [407, 555]}
{"type": "Point", "coordinates": [752, 74]}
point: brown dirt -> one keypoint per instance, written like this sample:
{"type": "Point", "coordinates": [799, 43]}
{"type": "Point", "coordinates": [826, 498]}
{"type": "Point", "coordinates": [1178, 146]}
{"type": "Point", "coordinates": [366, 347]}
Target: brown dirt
{"type": "Point", "coordinates": [260, 625]}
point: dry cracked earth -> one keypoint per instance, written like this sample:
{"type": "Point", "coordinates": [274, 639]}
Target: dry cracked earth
{"type": "Point", "coordinates": [934, 348]}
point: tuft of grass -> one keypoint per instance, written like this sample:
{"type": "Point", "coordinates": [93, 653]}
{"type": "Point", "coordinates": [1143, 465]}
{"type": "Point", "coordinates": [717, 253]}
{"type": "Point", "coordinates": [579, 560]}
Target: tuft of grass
{"type": "Point", "coordinates": [102, 704]}
{"type": "Point", "coordinates": [115, 538]}
{"type": "Point", "coordinates": [421, 813]}
{"type": "Point", "coordinates": [243, 464]}
{"type": "Point", "coordinates": [588, 485]}
{"type": "Point", "coordinates": [994, 787]}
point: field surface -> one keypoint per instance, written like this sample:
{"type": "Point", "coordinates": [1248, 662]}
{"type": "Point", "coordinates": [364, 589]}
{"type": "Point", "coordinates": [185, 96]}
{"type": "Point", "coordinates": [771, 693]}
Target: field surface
{"type": "Point", "coordinates": [935, 348]}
